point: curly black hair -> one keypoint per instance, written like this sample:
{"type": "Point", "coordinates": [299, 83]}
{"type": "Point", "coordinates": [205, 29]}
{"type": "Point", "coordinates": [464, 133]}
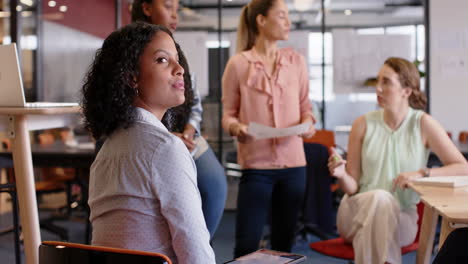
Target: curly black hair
{"type": "Point", "coordinates": [137, 11]}
{"type": "Point", "coordinates": [177, 117]}
{"type": "Point", "coordinates": [109, 86]}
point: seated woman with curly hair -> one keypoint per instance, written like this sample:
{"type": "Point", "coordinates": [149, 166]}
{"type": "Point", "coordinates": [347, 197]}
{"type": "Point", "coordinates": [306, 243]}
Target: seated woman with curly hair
{"type": "Point", "coordinates": [143, 190]}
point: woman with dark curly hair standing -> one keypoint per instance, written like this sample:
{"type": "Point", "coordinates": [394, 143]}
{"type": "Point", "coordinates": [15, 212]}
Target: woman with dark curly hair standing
{"type": "Point", "coordinates": [143, 192]}
{"type": "Point", "coordinates": [186, 120]}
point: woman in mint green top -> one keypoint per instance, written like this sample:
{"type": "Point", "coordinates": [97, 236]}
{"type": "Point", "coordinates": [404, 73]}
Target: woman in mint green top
{"type": "Point", "coordinates": [387, 152]}
{"type": "Point", "coordinates": [387, 149]}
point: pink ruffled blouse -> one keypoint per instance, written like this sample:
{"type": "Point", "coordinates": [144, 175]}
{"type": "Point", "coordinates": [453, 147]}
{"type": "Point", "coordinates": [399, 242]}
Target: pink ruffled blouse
{"type": "Point", "coordinates": [281, 100]}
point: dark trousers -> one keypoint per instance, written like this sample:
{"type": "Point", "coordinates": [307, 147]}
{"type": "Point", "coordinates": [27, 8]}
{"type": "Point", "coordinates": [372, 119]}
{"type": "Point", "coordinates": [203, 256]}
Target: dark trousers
{"type": "Point", "coordinates": [280, 190]}
{"type": "Point", "coordinates": [318, 201]}
{"type": "Point", "coordinates": [455, 248]}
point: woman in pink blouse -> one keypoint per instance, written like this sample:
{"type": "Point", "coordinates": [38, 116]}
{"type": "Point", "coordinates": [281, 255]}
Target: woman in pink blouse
{"type": "Point", "coordinates": [270, 86]}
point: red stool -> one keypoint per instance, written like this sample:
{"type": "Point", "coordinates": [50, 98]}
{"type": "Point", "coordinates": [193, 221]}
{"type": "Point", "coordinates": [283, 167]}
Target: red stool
{"type": "Point", "coordinates": [339, 248]}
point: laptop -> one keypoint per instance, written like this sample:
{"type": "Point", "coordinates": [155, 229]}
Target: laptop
{"type": "Point", "coordinates": [11, 83]}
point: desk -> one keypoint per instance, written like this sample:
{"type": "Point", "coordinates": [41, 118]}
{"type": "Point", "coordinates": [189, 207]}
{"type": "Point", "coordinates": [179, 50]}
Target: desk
{"type": "Point", "coordinates": [54, 155]}
{"type": "Point", "coordinates": [17, 122]}
{"type": "Point", "coordinates": [450, 203]}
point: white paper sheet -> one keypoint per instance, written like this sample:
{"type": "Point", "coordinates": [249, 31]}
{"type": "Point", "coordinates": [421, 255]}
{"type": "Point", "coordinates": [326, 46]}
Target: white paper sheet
{"type": "Point", "coordinates": [260, 131]}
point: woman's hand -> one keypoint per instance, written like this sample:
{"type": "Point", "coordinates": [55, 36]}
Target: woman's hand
{"type": "Point", "coordinates": [187, 137]}
{"type": "Point", "coordinates": [310, 132]}
{"type": "Point", "coordinates": [239, 130]}
{"type": "Point", "coordinates": [405, 177]}
{"type": "Point", "coordinates": [336, 165]}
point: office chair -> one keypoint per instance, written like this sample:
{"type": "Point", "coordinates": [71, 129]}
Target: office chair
{"type": "Point", "coordinates": [54, 252]}
{"type": "Point", "coordinates": [318, 213]}
{"type": "Point", "coordinates": [339, 248]}
{"type": "Point", "coordinates": [10, 188]}
{"type": "Point", "coordinates": [52, 185]}
{"type": "Point", "coordinates": [463, 137]}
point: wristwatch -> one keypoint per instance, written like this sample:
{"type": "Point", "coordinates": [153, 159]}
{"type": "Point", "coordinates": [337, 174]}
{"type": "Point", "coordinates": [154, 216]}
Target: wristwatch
{"type": "Point", "coordinates": [426, 172]}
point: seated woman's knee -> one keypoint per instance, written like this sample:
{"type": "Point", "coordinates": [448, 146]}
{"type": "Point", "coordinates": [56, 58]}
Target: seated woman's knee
{"type": "Point", "coordinates": [382, 197]}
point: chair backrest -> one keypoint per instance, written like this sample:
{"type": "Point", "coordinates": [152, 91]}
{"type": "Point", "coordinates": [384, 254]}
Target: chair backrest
{"type": "Point", "coordinates": [6, 144]}
{"type": "Point", "coordinates": [463, 136]}
{"type": "Point", "coordinates": [324, 137]}
{"type": "Point", "coordinates": [55, 252]}
{"type": "Point", "coordinates": [420, 208]}
{"type": "Point", "coordinates": [46, 139]}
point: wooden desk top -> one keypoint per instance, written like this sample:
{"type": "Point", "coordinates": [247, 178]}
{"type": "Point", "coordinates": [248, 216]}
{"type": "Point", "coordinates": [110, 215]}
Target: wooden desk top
{"type": "Point", "coordinates": [39, 110]}
{"type": "Point", "coordinates": [452, 203]}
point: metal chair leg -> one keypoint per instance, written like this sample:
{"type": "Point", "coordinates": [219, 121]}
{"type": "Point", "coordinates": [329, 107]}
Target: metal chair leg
{"type": "Point", "coordinates": [16, 227]}
{"type": "Point", "coordinates": [10, 188]}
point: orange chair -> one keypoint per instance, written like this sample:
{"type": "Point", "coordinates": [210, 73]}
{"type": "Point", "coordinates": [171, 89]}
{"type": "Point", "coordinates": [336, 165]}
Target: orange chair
{"type": "Point", "coordinates": [324, 137]}
{"type": "Point", "coordinates": [54, 252]}
{"type": "Point", "coordinates": [320, 197]}
{"type": "Point", "coordinates": [463, 137]}
{"type": "Point", "coordinates": [339, 248]}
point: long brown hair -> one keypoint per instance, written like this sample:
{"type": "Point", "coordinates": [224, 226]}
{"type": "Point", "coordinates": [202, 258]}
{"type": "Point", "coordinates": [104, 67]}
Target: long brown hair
{"type": "Point", "coordinates": [408, 76]}
{"type": "Point", "coordinates": [247, 30]}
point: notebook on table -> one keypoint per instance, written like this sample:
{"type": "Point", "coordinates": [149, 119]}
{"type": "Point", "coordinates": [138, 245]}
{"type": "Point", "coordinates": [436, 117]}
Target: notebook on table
{"type": "Point", "coordinates": [266, 256]}
{"type": "Point", "coordinates": [11, 83]}
{"type": "Point", "coordinates": [443, 181]}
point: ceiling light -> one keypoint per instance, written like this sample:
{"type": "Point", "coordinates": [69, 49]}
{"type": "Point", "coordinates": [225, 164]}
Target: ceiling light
{"type": "Point", "coordinates": [303, 5]}
{"type": "Point", "coordinates": [27, 2]}
{"type": "Point", "coordinates": [4, 14]}
{"type": "Point", "coordinates": [52, 3]}
{"type": "Point", "coordinates": [348, 12]}
{"type": "Point", "coordinates": [19, 8]}
{"type": "Point", "coordinates": [63, 8]}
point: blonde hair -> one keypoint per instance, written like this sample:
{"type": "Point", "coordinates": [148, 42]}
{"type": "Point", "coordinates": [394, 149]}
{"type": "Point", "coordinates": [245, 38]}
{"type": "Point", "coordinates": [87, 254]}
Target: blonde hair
{"type": "Point", "coordinates": [408, 76]}
{"type": "Point", "coordinates": [247, 30]}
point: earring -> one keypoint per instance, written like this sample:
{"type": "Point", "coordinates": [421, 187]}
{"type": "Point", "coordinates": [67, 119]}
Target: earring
{"type": "Point", "coordinates": [136, 92]}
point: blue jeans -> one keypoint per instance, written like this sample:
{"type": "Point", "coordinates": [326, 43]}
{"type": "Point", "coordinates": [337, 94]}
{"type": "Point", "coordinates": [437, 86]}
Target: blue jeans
{"type": "Point", "coordinates": [213, 188]}
{"type": "Point", "coordinates": [280, 190]}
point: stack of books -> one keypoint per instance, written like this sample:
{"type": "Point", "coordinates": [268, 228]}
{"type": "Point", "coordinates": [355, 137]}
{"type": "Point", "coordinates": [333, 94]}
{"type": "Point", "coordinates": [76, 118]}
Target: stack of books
{"type": "Point", "coordinates": [443, 181]}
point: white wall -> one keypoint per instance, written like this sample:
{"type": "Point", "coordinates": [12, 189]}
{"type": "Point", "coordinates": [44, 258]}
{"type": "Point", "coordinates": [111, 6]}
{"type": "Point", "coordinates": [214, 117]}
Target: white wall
{"type": "Point", "coordinates": [193, 45]}
{"type": "Point", "coordinates": [449, 63]}
{"type": "Point", "coordinates": [68, 54]}
{"type": "Point", "coordinates": [359, 57]}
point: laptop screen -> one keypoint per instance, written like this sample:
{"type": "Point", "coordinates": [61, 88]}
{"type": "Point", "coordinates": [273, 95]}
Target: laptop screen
{"type": "Point", "coordinates": [11, 83]}
{"type": "Point", "coordinates": [12, 93]}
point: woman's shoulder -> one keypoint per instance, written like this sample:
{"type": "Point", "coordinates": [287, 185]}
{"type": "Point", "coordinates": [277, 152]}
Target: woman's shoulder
{"type": "Point", "coordinates": [373, 116]}
{"type": "Point", "coordinates": [428, 123]}
{"type": "Point", "coordinates": [419, 114]}
{"type": "Point", "coordinates": [241, 57]}
{"type": "Point", "coordinates": [150, 136]}
{"type": "Point", "coordinates": [291, 55]}
{"type": "Point", "coordinates": [238, 61]}
{"type": "Point", "coordinates": [164, 146]}
{"type": "Point", "coordinates": [359, 124]}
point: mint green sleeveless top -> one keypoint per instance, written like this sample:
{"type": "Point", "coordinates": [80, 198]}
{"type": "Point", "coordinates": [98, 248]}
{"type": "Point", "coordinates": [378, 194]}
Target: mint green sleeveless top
{"type": "Point", "coordinates": [386, 153]}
